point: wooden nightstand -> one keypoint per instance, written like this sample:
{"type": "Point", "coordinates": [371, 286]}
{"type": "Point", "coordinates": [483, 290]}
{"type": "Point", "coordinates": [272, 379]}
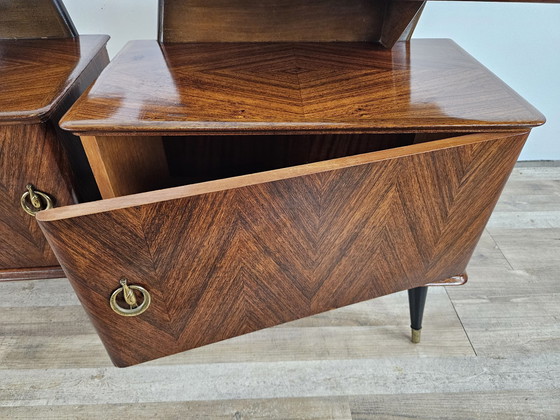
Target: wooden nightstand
{"type": "Point", "coordinates": [248, 184]}
{"type": "Point", "coordinates": [44, 67]}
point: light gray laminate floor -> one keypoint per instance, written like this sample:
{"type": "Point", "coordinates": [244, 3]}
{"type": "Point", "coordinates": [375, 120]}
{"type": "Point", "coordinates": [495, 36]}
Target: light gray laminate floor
{"type": "Point", "coordinates": [490, 349]}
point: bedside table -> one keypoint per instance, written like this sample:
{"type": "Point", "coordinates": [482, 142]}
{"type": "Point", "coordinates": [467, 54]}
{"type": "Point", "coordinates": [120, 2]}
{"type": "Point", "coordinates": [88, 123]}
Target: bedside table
{"type": "Point", "coordinates": [311, 176]}
{"type": "Point", "coordinates": [44, 67]}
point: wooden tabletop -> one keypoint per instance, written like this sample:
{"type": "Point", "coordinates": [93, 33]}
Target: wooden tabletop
{"type": "Point", "coordinates": [36, 74]}
{"type": "Point", "coordinates": [426, 85]}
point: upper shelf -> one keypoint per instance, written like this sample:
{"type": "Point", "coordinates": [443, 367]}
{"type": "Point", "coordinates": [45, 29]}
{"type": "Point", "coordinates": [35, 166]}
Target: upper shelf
{"type": "Point", "coordinates": [424, 85]}
{"type": "Point", "coordinates": [379, 21]}
{"type": "Point", "coordinates": [25, 19]}
{"type": "Point", "coordinates": [36, 74]}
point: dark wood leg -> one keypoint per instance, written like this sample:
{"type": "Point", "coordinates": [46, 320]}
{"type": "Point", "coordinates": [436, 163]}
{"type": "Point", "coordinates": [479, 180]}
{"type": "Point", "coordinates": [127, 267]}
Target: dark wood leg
{"type": "Point", "coordinates": [416, 302]}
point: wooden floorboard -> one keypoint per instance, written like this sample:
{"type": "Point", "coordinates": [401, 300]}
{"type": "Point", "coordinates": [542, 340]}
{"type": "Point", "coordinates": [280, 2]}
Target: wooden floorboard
{"type": "Point", "coordinates": [490, 349]}
{"type": "Point", "coordinates": [499, 405]}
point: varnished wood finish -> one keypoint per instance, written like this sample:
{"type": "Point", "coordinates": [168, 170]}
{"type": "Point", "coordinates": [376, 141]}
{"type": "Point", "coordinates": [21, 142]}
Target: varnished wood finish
{"type": "Point", "coordinates": [270, 20]}
{"type": "Point", "coordinates": [39, 273]}
{"type": "Point", "coordinates": [451, 281]}
{"type": "Point", "coordinates": [32, 148]}
{"type": "Point", "coordinates": [127, 165]}
{"type": "Point", "coordinates": [424, 85]}
{"type": "Point", "coordinates": [228, 257]}
{"type": "Point", "coordinates": [400, 21]}
{"type": "Point", "coordinates": [496, 343]}
{"type": "Point", "coordinates": [35, 19]}
{"type": "Point", "coordinates": [29, 154]}
{"type": "Point", "coordinates": [37, 74]}
{"type": "Point", "coordinates": [407, 34]}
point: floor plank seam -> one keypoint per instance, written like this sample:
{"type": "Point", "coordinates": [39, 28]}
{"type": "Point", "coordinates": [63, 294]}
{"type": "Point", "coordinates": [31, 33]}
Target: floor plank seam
{"type": "Point", "coordinates": [461, 322]}
{"type": "Point", "coordinates": [500, 249]}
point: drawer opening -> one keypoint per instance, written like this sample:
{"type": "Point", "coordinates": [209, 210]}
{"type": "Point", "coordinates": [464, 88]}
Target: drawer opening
{"type": "Point", "coordinates": [134, 184]}
{"type": "Point", "coordinates": [193, 159]}
{"type": "Point", "coordinates": [125, 165]}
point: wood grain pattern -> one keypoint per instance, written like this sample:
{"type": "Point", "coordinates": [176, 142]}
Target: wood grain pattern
{"type": "Point", "coordinates": [270, 20]}
{"type": "Point", "coordinates": [127, 165]}
{"type": "Point", "coordinates": [39, 273]}
{"type": "Point", "coordinates": [399, 21]}
{"type": "Point", "coordinates": [38, 74]}
{"type": "Point", "coordinates": [53, 365]}
{"type": "Point", "coordinates": [36, 151]}
{"type": "Point", "coordinates": [223, 260]}
{"type": "Point", "coordinates": [409, 30]}
{"type": "Point", "coordinates": [311, 88]}
{"type": "Point", "coordinates": [35, 19]}
{"type": "Point", "coordinates": [29, 154]}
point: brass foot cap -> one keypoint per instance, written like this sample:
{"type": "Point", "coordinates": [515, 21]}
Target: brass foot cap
{"type": "Point", "coordinates": [415, 337]}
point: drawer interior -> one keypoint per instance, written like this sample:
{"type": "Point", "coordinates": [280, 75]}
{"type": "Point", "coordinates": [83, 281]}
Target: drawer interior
{"type": "Point", "coordinates": [193, 159]}
{"type": "Point", "coordinates": [125, 165]}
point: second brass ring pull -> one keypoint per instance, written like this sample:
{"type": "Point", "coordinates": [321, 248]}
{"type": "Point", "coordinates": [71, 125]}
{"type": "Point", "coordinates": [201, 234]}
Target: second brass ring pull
{"type": "Point", "coordinates": [130, 298]}
{"type": "Point", "coordinates": [33, 201]}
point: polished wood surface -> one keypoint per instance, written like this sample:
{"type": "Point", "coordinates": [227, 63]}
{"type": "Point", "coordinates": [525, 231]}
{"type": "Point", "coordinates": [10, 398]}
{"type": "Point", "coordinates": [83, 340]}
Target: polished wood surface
{"type": "Point", "coordinates": [29, 154]}
{"type": "Point", "coordinates": [37, 74]}
{"type": "Point", "coordinates": [228, 257]}
{"type": "Point", "coordinates": [495, 343]}
{"type": "Point", "coordinates": [424, 85]}
{"type": "Point", "coordinates": [38, 152]}
{"type": "Point", "coordinates": [35, 19]}
{"type": "Point", "coordinates": [399, 21]}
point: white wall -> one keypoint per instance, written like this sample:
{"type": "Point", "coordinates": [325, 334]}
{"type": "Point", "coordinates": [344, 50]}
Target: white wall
{"type": "Point", "coordinates": [518, 42]}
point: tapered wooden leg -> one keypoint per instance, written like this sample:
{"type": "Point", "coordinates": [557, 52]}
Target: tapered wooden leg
{"type": "Point", "coordinates": [416, 302]}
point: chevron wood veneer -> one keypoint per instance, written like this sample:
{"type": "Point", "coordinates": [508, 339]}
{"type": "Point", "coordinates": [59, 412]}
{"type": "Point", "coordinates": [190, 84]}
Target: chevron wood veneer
{"type": "Point", "coordinates": [218, 88]}
{"type": "Point", "coordinates": [40, 80]}
{"type": "Point", "coordinates": [227, 257]}
{"type": "Point", "coordinates": [21, 242]}
{"type": "Point", "coordinates": [38, 74]}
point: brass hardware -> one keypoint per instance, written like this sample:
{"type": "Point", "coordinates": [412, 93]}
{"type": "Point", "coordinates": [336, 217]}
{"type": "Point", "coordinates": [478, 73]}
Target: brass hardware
{"type": "Point", "coordinates": [130, 299]}
{"type": "Point", "coordinates": [415, 337]}
{"type": "Point", "coordinates": [33, 201]}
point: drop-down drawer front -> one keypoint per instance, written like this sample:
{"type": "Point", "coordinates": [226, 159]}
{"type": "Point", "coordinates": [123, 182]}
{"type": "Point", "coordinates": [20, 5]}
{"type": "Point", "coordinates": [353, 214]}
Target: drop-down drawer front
{"type": "Point", "coordinates": [227, 257]}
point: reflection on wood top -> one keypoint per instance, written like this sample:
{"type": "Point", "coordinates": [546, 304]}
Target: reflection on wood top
{"type": "Point", "coordinates": [36, 74]}
{"type": "Point", "coordinates": [424, 85]}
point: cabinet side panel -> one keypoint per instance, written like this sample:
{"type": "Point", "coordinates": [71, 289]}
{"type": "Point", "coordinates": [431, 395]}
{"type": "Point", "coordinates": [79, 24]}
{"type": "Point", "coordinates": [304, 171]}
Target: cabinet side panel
{"type": "Point", "coordinates": [28, 154]}
{"type": "Point", "coordinates": [230, 262]}
{"type": "Point", "coordinates": [83, 180]}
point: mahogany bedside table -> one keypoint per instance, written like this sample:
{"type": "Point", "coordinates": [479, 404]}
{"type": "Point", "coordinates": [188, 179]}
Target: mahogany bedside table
{"type": "Point", "coordinates": [44, 67]}
{"type": "Point", "coordinates": [247, 184]}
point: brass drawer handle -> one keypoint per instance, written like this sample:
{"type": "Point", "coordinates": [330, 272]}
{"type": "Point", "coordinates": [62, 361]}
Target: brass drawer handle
{"type": "Point", "coordinates": [131, 299]}
{"type": "Point", "coordinates": [33, 201]}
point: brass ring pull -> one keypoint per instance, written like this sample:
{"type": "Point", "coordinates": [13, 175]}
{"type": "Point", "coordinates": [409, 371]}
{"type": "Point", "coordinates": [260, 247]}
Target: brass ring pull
{"type": "Point", "coordinates": [33, 201]}
{"type": "Point", "coordinates": [131, 299]}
